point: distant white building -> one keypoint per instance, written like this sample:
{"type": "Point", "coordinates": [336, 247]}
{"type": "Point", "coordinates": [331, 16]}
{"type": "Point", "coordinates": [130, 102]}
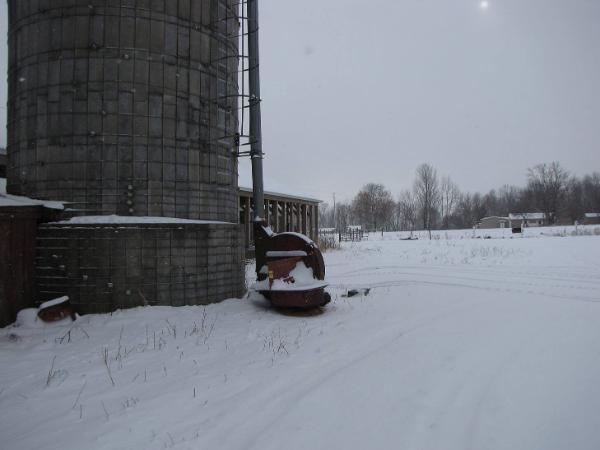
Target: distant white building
{"type": "Point", "coordinates": [592, 219]}
{"type": "Point", "coordinates": [524, 220]}
{"type": "Point", "coordinates": [493, 222]}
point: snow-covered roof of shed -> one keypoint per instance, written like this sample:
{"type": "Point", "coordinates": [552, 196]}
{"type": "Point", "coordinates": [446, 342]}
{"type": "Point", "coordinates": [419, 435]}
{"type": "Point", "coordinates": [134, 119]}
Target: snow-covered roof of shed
{"type": "Point", "coordinates": [527, 216]}
{"type": "Point", "coordinates": [592, 215]}
{"type": "Point", "coordinates": [283, 195]}
{"type": "Point", "coordinates": [11, 201]}
{"type": "Point", "coordinates": [112, 219]}
{"type": "Point", "coordinates": [494, 217]}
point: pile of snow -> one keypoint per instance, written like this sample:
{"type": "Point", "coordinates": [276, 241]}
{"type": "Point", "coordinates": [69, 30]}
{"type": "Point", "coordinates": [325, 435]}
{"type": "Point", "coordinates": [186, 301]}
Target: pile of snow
{"type": "Point", "coordinates": [28, 319]}
{"type": "Point", "coordinates": [54, 302]}
{"type": "Point", "coordinates": [461, 343]}
{"type": "Point", "coordinates": [300, 278]}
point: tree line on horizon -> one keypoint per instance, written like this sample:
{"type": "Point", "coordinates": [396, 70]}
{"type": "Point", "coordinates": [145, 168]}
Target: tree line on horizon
{"type": "Point", "coordinates": [436, 202]}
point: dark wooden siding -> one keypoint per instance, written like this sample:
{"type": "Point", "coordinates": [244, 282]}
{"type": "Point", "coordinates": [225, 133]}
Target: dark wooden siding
{"type": "Point", "coordinates": [18, 230]}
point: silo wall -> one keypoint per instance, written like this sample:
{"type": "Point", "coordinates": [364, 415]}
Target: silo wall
{"type": "Point", "coordinates": [128, 108]}
{"type": "Point", "coordinates": [104, 267]}
{"type": "Point", "coordinates": [125, 106]}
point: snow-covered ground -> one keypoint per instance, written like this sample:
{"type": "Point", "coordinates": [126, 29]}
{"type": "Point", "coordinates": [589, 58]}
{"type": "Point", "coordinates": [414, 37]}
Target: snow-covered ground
{"type": "Point", "coordinates": [461, 343]}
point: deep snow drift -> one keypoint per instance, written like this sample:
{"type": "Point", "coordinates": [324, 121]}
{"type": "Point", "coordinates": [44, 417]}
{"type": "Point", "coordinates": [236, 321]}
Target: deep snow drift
{"type": "Point", "coordinates": [461, 343]}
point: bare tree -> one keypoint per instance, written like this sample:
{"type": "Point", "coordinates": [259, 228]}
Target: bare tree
{"type": "Point", "coordinates": [449, 197]}
{"type": "Point", "coordinates": [343, 216]}
{"type": "Point", "coordinates": [479, 205]}
{"type": "Point", "coordinates": [574, 203]}
{"type": "Point", "coordinates": [432, 201]}
{"type": "Point", "coordinates": [374, 206]}
{"type": "Point", "coordinates": [508, 197]}
{"type": "Point", "coordinates": [407, 211]}
{"type": "Point", "coordinates": [492, 203]}
{"type": "Point", "coordinates": [326, 216]}
{"type": "Point", "coordinates": [591, 192]}
{"type": "Point", "coordinates": [427, 193]}
{"type": "Point", "coordinates": [547, 183]}
{"type": "Point", "coordinates": [464, 212]}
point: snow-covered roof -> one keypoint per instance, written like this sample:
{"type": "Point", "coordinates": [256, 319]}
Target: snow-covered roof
{"type": "Point", "coordinates": [494, 217]}
{"type": "Point", "coordinates": [112, 219]}
{"type": "Point", "coordinates": [284, 195]}
{"type": "Point", "coordinates": [527, 216]}
{"type": "Point", "coordinates": [592, 215]}
{"type": "Point", "coordinates": [7, 200]}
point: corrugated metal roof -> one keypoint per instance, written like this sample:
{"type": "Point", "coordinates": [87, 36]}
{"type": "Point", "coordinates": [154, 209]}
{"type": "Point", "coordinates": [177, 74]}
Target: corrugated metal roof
{"type": "Point", "coordinates": [283, 195]}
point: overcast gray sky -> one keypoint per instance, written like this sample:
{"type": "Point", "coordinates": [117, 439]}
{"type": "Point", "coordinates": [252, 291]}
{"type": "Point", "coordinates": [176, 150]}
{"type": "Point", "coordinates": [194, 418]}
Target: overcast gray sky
{"type": "Point", "coordinates": [356, 91]}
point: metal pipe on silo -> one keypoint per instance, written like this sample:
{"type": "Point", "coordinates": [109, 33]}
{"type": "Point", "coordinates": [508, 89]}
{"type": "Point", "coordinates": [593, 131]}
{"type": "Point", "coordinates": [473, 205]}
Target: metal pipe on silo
{"type": "Point", "coordinates": [256, 153]}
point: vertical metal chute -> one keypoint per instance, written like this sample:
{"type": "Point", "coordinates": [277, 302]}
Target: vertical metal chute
{"type": "Point", "coordinates": [256, 153]}
{"type": "Point", "coordinates": [277, 255]}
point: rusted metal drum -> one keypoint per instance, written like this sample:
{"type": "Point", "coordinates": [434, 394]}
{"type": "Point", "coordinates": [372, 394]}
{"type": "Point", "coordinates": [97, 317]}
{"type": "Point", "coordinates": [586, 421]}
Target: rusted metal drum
{"type": "Point", "coordinates": [278, 258]}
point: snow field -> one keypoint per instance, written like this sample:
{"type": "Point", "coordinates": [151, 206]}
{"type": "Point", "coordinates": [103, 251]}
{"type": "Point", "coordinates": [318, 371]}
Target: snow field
{"type": "Point", "coordinates": [461, 343]}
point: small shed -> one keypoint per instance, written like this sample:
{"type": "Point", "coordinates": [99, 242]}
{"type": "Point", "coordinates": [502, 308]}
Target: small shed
{"type": "Point", "coordinates": [526, 220]}
{"type": "Point", "coordinates": [19, 219]}
{"type": "Point", "coordinates": [591, 219]}
{"type": "Point", "coordinates": [493, 222]}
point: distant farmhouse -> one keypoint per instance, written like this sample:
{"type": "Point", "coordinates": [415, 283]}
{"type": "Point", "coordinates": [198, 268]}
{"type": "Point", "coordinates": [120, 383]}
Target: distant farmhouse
{"type": "Point", "coordinates": [493, 222]}
{"type": "Point", "coordinates": [525, 220]}
{"type": "Point", "coordinates": [514, 220]}
{"type": "Point", "coordinates": [592, 219]}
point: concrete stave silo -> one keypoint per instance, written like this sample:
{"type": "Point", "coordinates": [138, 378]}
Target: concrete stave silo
{"type": "Point", "coordinates": [129, 108]}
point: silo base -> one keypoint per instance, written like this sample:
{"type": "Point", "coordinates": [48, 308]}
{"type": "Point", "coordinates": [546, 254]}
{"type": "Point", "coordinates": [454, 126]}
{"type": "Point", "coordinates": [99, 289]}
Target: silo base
{"type": "Point", "coordinates": [107, 266]}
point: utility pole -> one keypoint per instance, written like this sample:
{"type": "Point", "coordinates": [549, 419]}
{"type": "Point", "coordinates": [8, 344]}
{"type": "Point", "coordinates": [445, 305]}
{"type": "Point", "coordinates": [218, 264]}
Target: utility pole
{"type": "Point", "coordinates": [334, 218]}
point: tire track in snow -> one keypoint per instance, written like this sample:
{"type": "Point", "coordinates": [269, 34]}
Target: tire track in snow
{"type": "Point", "coordinates": [417, 282]}
{"type": "Point", "coordinates": [301, 386]}
{"type": "Point", "coordinates": [489, 281]}
{"type": "Point", "coordinates": [588, 278]}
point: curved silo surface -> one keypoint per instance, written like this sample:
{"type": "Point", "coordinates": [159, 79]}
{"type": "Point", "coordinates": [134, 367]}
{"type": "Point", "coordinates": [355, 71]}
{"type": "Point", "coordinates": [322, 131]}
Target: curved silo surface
{"type": "Point", "coordinates": [129, 108]}
{"type": "Point", "coordinates": [125, 107]}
